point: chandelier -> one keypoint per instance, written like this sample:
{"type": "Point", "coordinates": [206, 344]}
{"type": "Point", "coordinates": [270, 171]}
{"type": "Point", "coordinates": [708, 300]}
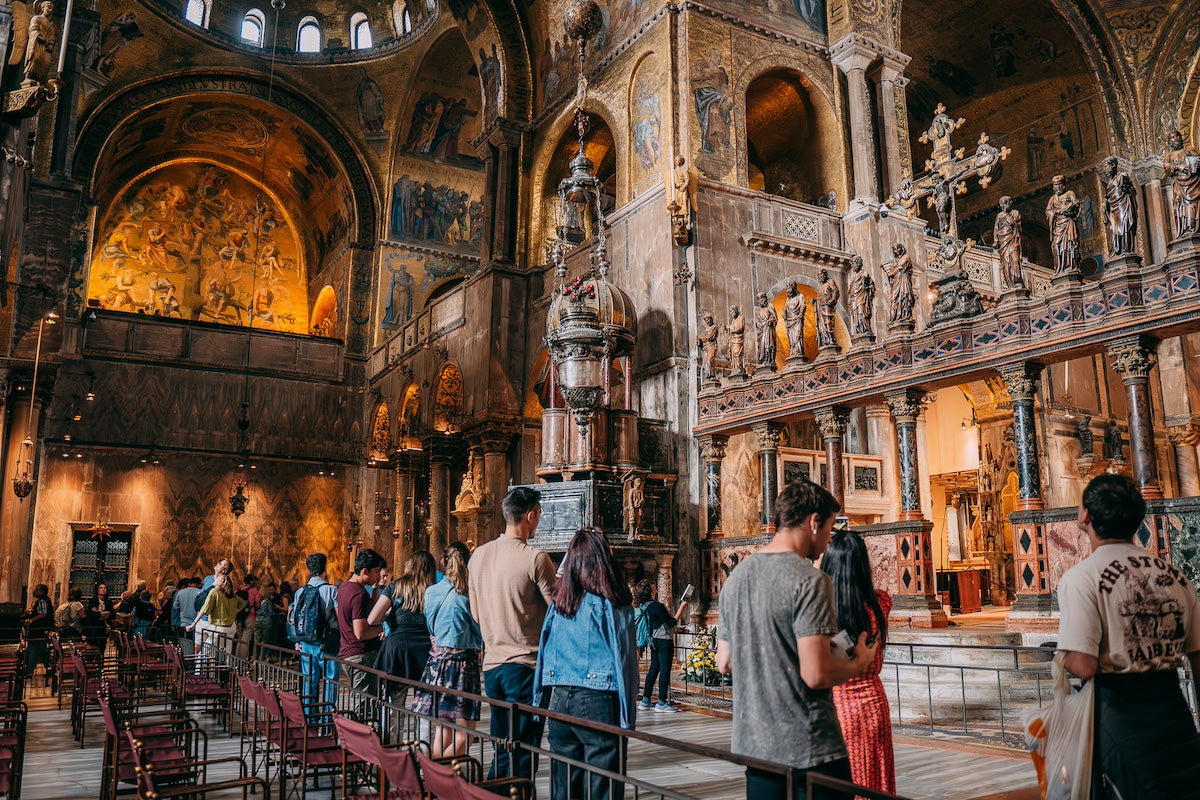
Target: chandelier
{"type": "Point", "coordinates": [589, 319]}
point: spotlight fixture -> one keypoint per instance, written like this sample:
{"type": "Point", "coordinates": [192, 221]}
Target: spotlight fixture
{"type": "Point", "coordinates": [66, 437]}
{"type": "Point", "coordinates": [90, 396]}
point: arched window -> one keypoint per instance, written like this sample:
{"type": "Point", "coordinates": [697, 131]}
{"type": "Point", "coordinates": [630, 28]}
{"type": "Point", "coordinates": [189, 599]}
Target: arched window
{"type": "Point", "coordinates": [253, 26]}
{"type": "Point", "coordinates": [308, 36]}
{"type": "Point", "coordinates": [360, 32]}
{"type": "Point", "coordinates": [401, 17]}
{"type": "Point", "coordinates": [197, 13]}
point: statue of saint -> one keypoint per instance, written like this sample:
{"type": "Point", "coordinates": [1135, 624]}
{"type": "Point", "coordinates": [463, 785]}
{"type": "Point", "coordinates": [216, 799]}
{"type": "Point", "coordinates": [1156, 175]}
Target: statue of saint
{"type": "Point", "coordinates": [1120, 208]}
{"type": "Point", "coordinates": [39, 46]}
{"type": "Point", "coordinates": [901, 298]}
{"type": "Point", "coordinates": [635, 505]}
{"type": "Point", "coordinates": [1062, 213]}
{"type": "Point", "coordinates": [466, 499]}
{"type": "Point", "coordinates": [707, 342]}
{"type": "Point", "coordinates": [826, 303]}
{"type": "Point", "coordinates": [736, 328]}
{"type": "Point", "coordinates": [1182, 168]}
{"type": "Point", "coordinates": [681, 179]}
{"type": "Point", "coordinates": [1114, 443]}
{"type": "Point", "coordinates": [1008, 244]}
{"type": "Point", "coordinates": [862, 299]}
{"type": "Point", "coordinates": [765, 320]}
{"type": "Point", "coordinates": [1084, 435]}
{"type": "Point", "coordinates": [793, 319]}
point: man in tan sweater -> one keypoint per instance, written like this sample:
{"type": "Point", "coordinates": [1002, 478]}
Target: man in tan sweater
{"type": "Point", "coordinates": [510, 585]}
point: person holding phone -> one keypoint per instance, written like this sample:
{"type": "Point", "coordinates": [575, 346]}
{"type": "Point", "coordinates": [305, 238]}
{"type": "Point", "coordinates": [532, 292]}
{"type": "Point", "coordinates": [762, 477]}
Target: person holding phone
{"type": "Point", "coordinates": [661, 623]}
{"type": "Point", "coordinates": [862, 705]}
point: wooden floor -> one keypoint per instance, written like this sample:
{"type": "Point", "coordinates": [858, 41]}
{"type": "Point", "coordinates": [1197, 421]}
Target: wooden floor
{"type": "Point", "coordinates": [57, 769]}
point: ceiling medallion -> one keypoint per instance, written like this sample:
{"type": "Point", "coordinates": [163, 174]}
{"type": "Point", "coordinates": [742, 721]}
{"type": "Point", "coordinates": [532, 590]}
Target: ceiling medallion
{"type": "Point", "coordinates": [227, 127]}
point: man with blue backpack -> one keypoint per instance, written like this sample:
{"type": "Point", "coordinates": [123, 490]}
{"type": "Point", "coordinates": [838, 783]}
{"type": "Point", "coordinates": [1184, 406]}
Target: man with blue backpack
{"type": "Point", "coordinates": [312, 625]}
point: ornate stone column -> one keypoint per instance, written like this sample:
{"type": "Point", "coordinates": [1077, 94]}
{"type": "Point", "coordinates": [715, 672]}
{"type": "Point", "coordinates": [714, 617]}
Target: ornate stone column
{"type": "Point", "coordinates": [495, 442]}
{"type": "Point", "coordinates": [712, 453]}
{"type": "Point", "coordinates": [768, 435]}
{"type": "Point", "coordinates": [853, 58]}
{"type": "Point", "coordinates": [403, 516]}
{"type": "Point", "coordinates": [1184, 437]}
{"type": "Point", "coordinates": [505, 138]}
{"type": "Point", "coordinates": [666, 580]}
{"type": "Point", "coordinates": [1132, 358]}
{"type": "Point", "coordinates": [440, 458]}
{"type": "Point", "coordinates": [906, 406]}
{"type": "Point", "coordinates": [894, 125]}
{"type": "Point", "coordinates": [1152, 210]}
{"type": "Point", "coordinates": [1021, 380]}
{"type": "Point", "coordinates": [832, 423]}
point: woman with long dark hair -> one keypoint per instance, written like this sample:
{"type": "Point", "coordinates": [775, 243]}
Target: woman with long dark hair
{"type": "Point", "coordinates": [862, 706]}
{"type": "Point", "coordinates": [401, 605]}
{"type": "Point", "coordinates": [454, 659]}
{"type": "Point", "coordinates": [588, 656]}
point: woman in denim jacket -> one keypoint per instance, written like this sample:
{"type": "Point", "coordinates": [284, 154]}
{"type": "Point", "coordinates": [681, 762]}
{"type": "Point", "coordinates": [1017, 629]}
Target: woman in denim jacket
{"type": "Point", "coordinates": [454, 659]}
{"type": "Point", "coordinates": [588, 655]}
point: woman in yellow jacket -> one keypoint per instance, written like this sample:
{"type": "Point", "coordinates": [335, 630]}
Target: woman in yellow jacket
{"type": "Point", "coordinates": [221, 606]}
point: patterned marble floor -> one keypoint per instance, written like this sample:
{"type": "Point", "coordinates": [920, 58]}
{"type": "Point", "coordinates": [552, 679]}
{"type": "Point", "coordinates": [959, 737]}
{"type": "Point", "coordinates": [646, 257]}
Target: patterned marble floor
{"type": "Point", "coordinates": [58, 769]}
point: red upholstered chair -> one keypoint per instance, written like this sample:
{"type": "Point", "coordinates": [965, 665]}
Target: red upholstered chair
{"type": "Point", "coordinates": [190, 778]}
{"type": "Point", "coordinates": [13, 719]}
{"type": "Point", "coordinates": [446, 781]}
{"type": "Point", "coordinates": [361, 751]}
{"type": "Point", "coordinates": [169, 738]}
{"type": "Point", "coordinates": [207, 687]}
{"type": "Point", "coordinates": [402, 780]}
{"type": "Point", "coordinates": [309, 749]}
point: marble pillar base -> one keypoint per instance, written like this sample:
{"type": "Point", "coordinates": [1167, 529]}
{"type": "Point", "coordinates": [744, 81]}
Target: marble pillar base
{"type": "Point", "coordinates": [917, 611]}
{"type": "Point", "coordinates": [1014, 294]}
{"type": "Point", "coordinates": [1067, 280]}
{"type": "Point", "coordinates": [1184, 247]}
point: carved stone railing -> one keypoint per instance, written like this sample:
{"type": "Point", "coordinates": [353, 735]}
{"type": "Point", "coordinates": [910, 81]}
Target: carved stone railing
{"type": "Point", "coordinates": [982, 265]}
{"type": "Point", "coordinates": [435, 320]}
{"type": "Point", "coordinates": [208, 345]}
{"type": "Point", "coordinates": [1160, 300]}
{"type": "Point", "coordinates": [776, 217]}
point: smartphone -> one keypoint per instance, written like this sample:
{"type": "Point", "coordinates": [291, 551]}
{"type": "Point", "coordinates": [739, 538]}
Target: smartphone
{"type": "Point", "coordinates": [841, 523]}
{"type": "Point", "coordinates": [687, 594]}
{"type": "Point", "coordinates": [843, 645]}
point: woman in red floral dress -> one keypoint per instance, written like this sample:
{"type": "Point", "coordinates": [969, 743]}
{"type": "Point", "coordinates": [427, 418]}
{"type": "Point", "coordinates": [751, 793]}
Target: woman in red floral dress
{"type": "Point", "coordinates": [862, 706]}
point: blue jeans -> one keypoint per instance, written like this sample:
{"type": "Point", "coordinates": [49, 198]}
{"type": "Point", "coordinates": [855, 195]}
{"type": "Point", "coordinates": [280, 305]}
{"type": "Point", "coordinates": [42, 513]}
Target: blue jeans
{"type": "Point", "coordinates": [314, 665]}
{"type": "Point", "coordinates": [769, 786]}
{"type": "Point", "coordinates": [513, 683]}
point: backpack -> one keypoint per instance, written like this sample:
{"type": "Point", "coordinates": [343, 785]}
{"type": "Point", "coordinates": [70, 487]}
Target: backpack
{"type": "Point", "coordinates": [306, 618]}
{"type": "Point", "coordinates": [65, 616]}
{"type": "Point", "coordinates": [201, 596]}
{"type": "Point", "coordinates": [642, 627]}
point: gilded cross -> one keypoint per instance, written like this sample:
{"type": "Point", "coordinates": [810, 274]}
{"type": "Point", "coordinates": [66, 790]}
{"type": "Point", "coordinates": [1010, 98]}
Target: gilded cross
{"type": "Point", "coordinates": [946, 172]}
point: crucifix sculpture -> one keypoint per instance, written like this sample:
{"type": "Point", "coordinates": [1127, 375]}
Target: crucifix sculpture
{"type": "Point", "coordinates": [947, 172]}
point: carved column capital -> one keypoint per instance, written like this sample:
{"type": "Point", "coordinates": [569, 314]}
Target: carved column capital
{"type": "Point", "coordinates": [712, 448]}
{"type": "Point", "coordinates": [905, 404]}
{"type": "Point", "coordinates": [1132, 358]}
{"type": "Point", "coordinates": [768, 435]}
{"type": "Point", "coordinates": [832, 422]}
{"type": "Point", "coordinates": [1185, 435]}
{"type": "Point", "coordinates": [1021, 380]}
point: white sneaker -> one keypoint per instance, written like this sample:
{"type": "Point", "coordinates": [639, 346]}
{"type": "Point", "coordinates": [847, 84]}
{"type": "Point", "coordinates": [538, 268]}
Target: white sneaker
{"type": "Point", "coordinates": [665, 708]}
{"type": "Point", "coordinates": [644, 705]}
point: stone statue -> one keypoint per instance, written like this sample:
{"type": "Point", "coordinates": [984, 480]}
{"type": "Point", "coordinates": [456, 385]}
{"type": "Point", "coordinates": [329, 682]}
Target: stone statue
{"type": "Point", "coordinates": [1120, 208]}
{"type": "Point", "coordinates": [956, 297]}
{"type": "Point", "coordinates": [1182, 168]}
{"type": "Point", "coordinates": [707, 342]}
{"type": "Point", "coordinates": [765, 320]}
{"type": "Point", "coordinates": [947, 256]}
{"type": "Point", "coordinates": [1007, 231]}
{"type": "Point", "coordinates": [635, 504]}
{"type": "Point", "coordinates": [1114, 443]}
{"type": "Point", "coordinates": [826, 310]}
{"type": "Point", "coordinates": [862, 300]}
{"type": "Point", "coordinates": [1084, 435]}
{"type": "Point", "coordinates": [736, 328]}
{"type": "Point", "coordinates": [793, 319]}
{"type": "Point", "coordinates": [466, 499]}
{"type": "Point", "coordinates": [1062, 213]}
{"type": "Point", "coordinates": [681, 180]}
{"type": "Point", "coordinates": [901, 297]}
{"type": "Point", "coordinates": [39, 46]}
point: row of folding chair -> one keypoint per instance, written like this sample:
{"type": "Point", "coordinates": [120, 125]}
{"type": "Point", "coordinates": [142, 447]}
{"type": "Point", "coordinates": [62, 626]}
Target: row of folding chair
{"type": "Point", "coordinates": [14, 717]}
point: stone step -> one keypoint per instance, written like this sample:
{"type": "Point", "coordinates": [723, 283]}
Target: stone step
{"type": "Point", "coordinates": [997, 658]}
{"type": "Point", "coordinates": [986, 637]}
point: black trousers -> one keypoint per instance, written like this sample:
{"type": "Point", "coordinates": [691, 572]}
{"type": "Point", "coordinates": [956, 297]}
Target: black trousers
{"type": "Point", "coordinates": [513, 683]}
{"type": "Point", "coordinates": [662, 652]}
{"type": "Point", "coordinates": [769, 786]}
{"type": "Point", "coordinates": [601, 750]}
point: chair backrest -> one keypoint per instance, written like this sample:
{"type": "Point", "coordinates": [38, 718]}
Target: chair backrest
{"type": "Point", "coordinates": [400, 769]}
{"type": "Point", "coordinates": [439, 780]}
{"type": "Point", "coordinates": [357, 739]}
{"type": "Point", "coordinates": [293, 709]}
{"type": "Point", "coordinates": [110, 719]}
{"type": "Point", "coordinates": [471, 791]}
{"type": "Point", "coordinates": [80, 666]}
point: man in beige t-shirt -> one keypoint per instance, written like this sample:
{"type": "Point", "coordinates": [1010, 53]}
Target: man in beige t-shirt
{"type": "Point", "coordinates": [510, 585]}
{"type": "Point", "coordinates": [1128, 620]}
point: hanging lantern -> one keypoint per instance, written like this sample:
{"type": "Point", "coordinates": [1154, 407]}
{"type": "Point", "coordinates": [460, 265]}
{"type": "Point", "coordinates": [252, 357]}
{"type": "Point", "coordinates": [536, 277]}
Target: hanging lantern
{"type": "Point", "coordinates": [23, 481]}
{"type": "Point", "coordinates": [237, 497]}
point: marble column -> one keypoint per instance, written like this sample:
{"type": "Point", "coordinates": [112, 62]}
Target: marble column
{"type": "Point", "coordinates": [1153, 211]}
{"type": "Point", "coordinates": [768, 435]}
{"type": "Point", "coordinates": [666, 580]}
{"type": "Point", "coordinates": [402, 516]}
{"type": "Point", "coordinates": [439, 502]}
{"type": "Point", "coordinates": [505, 137]}
{"type": "Point", "coordinates": [1021, 380]}
{"type": "Point", "coordinates": [832, 423]}
{"type": "Point", "coordinates": [495, 444]}
{"type": "Point", "coordinates": [853, 58]}
{"type": "Point", "coordinates": [906, 406]}
{"type": "Point", "coordinates": [893, 142]}
{"type": "Point", "coordinates": [1132, 358]}
{"type": "Point", "coordinates": [712, 453]}
{"type": "Point", "coordinates": [1184, 438]}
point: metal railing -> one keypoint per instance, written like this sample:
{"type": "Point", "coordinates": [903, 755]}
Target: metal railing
{"type": "Point", "coordinates": [395, 719]}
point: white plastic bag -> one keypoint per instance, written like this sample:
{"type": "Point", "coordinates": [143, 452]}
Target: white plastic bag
{"type": "Point", "coordinates": [1059, 737]}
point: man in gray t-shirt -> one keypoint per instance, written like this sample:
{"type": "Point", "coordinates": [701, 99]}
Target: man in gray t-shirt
{"type": "Point", "coordinates": [776, 621]}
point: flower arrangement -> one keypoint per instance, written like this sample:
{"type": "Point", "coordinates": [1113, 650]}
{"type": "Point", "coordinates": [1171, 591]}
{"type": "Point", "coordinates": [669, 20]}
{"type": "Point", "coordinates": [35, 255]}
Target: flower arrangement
{"type": "Point", "coordinates": [700, 664]}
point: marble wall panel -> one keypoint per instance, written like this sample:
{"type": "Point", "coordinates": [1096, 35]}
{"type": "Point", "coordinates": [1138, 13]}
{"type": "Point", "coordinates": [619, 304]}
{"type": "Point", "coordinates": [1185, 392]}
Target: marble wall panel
{"type": "Point", "coordinates": [881, 550]}
{"type": "Point", "coordinates": [741, 492]}
{"type": "Point", "coordinates": [1066, 545]}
